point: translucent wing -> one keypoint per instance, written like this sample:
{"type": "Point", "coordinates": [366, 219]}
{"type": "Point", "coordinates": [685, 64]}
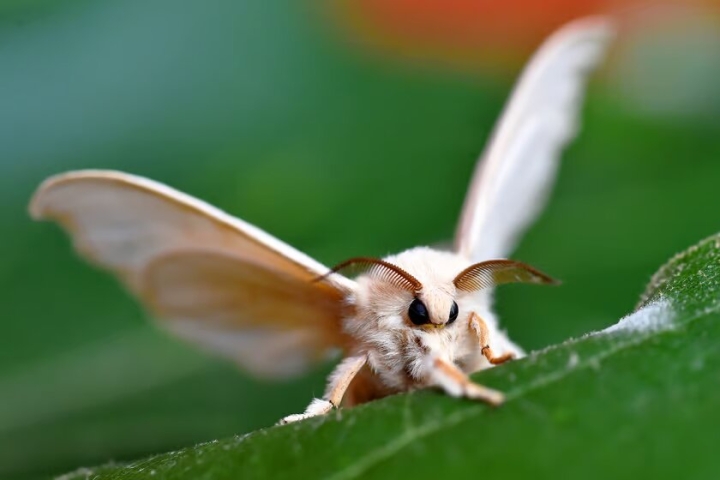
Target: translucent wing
{"type": "Point", "coordinates": [273, 325]}
{"type": "Point", "coordinates": [209, 277]}
{"type": "Point", "coordinates": [517, 169]}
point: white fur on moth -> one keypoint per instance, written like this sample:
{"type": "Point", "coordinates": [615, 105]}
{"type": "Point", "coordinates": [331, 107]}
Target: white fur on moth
{"type": "Point", "coordinates": [417, 319]}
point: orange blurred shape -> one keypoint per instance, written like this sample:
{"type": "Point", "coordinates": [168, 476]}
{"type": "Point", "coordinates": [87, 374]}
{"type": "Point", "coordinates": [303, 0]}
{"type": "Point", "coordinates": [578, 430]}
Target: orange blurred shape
{"type": "Point", "coordinates": [459, 32]}
{"type": "Point", "coordinates": [476, 33]}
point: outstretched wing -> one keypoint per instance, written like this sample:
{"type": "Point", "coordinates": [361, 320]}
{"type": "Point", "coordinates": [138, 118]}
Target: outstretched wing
{"type": "Point", "coordinates": [515, 173]}
{"type": "Point", "coordinates": [209, 277]}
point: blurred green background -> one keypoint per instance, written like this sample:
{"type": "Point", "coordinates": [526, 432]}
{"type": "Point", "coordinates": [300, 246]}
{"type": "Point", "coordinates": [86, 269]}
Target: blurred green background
{"type": "Point", "coordinates": [264, 109]}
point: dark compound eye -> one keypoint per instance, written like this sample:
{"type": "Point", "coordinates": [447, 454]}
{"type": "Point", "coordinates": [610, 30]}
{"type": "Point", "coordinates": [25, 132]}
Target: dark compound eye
{"type": "Point", "coordinates": [453, 313]}
{"type": "Point", "coordinates": [418, 313]}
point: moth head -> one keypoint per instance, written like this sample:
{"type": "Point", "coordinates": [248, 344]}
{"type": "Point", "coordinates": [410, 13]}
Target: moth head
{"type": "Point", "coordinates": [393, 292]}
{"type": "Point", "coordinates": [433, 309]}
{"type": "Point", "coordinates": [398, 299]}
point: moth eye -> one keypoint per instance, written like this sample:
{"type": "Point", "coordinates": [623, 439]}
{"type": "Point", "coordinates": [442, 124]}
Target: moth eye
{"type": "Point", "coordinates": [418, 313]}
{"type": "Point", "coordinates": [453, 313]}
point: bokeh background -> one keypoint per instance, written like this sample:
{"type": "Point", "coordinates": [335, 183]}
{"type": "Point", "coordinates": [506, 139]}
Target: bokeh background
{"type": "Point", "coordinates": [344, 128]}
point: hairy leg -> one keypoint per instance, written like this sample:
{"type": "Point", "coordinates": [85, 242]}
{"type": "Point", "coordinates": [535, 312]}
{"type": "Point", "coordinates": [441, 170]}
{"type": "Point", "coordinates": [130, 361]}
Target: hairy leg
{"type": "Point", "coordinates": [337, 385]}
{"type": "Point", "coordinates": [479, 328]}
{"type": "Point", "coordinates": [455, 383]}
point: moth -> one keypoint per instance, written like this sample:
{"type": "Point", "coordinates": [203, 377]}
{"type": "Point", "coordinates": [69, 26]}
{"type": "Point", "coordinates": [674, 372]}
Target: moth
{"type": "Point", "coordinates": [420, 318]}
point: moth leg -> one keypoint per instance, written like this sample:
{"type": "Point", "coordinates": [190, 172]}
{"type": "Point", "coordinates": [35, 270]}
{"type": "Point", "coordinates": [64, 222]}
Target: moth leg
{"type": "Point", "coordinates": [480, 329]}
{"type": "Point", "coordinates": [455, 383]}
{"type": "Point", "coordinates": [338, 384]}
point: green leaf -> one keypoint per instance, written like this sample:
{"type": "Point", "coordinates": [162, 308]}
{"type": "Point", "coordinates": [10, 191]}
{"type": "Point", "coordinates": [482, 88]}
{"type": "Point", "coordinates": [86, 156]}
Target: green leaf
{"type": "Point", "coordinates": [636, 400]}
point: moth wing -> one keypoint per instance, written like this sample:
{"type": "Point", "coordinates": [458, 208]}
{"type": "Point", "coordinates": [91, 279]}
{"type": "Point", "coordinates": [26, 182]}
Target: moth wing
{"type": "Point", "coordinates": [272, 324]}
{"type": "Point", "coordinates": [516, 171]}
{"type": "Point", "coordinates": [133, 227]}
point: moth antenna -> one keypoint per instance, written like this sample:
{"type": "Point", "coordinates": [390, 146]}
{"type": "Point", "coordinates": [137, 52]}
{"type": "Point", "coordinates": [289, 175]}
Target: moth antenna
{"type": "Point", "coordinates": [497, 272]}
{"type": "Point", "coordinates": [383, 270]}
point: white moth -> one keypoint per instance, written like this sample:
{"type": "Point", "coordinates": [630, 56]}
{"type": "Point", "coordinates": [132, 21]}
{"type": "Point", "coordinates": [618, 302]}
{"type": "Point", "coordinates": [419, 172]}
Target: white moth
{"type": "Point", "coordinates": [417, 319]}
